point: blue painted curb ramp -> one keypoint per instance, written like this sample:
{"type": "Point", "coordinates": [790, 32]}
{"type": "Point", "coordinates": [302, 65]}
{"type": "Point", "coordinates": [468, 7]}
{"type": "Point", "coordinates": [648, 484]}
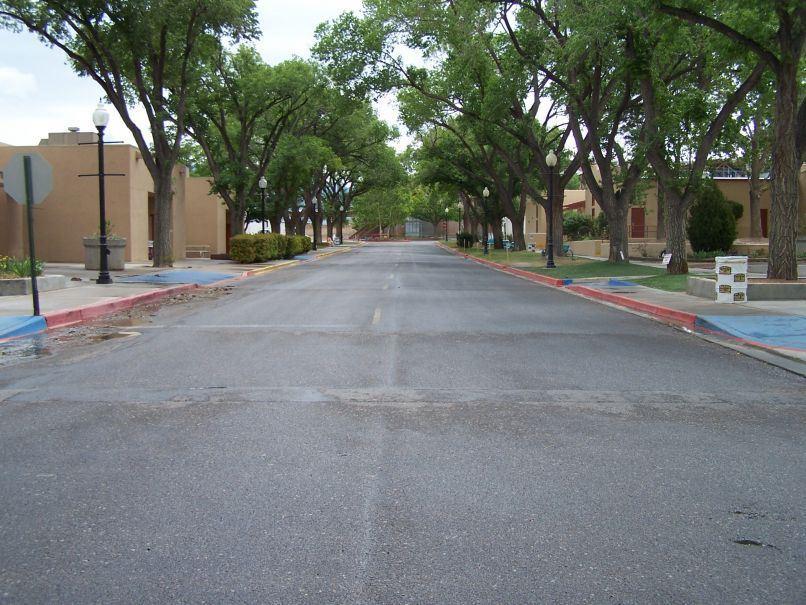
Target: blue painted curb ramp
{"type": "Point", "coordinates": [15, 326]}
{"type": "Point", "coordinates": [177, 276]}
{"type": "Point", "coordinates": [787, 331]}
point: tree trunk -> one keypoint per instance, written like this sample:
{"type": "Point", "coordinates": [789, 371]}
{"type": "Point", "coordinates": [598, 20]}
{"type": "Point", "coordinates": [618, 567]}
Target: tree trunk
{"type": "Point", "coordinates": [329, 228]}
{"type": "Point", "coordinates": [518, 235]}
{"type": "Point", "coordinates": [661, 232]}
{"type": "Point", "coordinates": [274, 222]}
{"type": "Point", "coordinates": [163, 221]}
{"type": "Point", "coordinates": [784, 187]}
{"type": "Point", "coordinates": [676, 209]}
{"type": "Point", "coordinates": [498, 235]}
{"type": "Point", "coordinates": [618, 231]}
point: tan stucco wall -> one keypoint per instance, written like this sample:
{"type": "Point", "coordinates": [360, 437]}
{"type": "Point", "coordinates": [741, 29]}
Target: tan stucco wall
{"type": "Point", "coordinates": [71, 210]}
{"type": "Point", "coordinates": [205, 216]}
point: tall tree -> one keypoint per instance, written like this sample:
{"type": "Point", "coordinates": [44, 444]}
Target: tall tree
{"type": "Point", "coordinates": [685, 114]}
{"type": "Point", "coordinates": [775, 32]}
{"type": "Point", "coordinates": [237, 116]}
{"type": "Point", "coordinates": [140, 53]}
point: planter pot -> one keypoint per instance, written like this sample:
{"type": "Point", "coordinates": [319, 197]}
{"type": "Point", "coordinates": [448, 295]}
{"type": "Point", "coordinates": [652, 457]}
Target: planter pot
{"type": "Point", "coordinates": [92, 253]}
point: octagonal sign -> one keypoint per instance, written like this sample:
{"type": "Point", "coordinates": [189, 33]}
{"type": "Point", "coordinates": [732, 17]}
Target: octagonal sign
{"type": "Point", "coordinates": [14, 178]}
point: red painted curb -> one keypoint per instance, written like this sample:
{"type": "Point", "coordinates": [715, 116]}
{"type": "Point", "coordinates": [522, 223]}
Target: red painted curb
{"type": "Point", "coordinates": [535, 277]}
{"type": "Point", "coordinates": [680, 318]}
{"type": "Point", "coordinates": [77, 315]}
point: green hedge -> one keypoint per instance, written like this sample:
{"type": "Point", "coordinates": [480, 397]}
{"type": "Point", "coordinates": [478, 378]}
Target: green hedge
{"type": "Point", "coordinates": [297, 244]}
{"type": "Point", "coordinates": [262, 247]}
{"type": "Point", "coordinates": [242, 248]}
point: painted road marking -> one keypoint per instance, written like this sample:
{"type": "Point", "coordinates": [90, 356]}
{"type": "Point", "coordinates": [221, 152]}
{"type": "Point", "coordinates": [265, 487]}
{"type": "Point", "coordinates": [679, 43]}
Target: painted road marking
{"type": "Point", "coordinates": [377, 317]}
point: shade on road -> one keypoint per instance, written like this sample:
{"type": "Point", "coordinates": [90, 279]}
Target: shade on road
{"type": "Point", "coordinates": [398, 425]}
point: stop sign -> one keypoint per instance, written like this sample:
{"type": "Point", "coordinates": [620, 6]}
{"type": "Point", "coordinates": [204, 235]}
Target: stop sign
{"type": "Point", "coordinates": [14, 177]}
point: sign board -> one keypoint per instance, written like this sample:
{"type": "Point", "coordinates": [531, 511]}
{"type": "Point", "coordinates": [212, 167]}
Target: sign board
{"type": "Point", "coordinates": [14, 178]}
{"type": "Point", "coordinates": [667, 258]}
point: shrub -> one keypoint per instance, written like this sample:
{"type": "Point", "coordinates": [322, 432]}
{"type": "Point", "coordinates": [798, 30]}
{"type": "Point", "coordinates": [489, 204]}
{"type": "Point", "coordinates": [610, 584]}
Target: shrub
{"type": "Point", "coordinates": [465, 239]}
{"type": "Point", "coordinates": [736, 208]}
{"type": "Point", "coordinates": [577, 225]}
{"type": "Point", "coordinates": [242, 248]}
{"type": "Point", "coordinates": [20, 267]}
{"type": "Point", "coordinates": [712, 223]}
{"type": "Point", "coordinates": [270, 246]}
{"type": "Point", "coordinates": [297, 244]}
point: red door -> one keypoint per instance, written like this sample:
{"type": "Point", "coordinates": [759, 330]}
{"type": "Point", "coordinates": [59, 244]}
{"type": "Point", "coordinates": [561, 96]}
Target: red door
{"type": "Point", "coordinates": [764, 212]}
{"type": "Point", "coordinates": [637, 222]}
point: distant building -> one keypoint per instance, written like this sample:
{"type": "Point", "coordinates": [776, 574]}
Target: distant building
{"type": "Point", "coordinates": [70, 212]}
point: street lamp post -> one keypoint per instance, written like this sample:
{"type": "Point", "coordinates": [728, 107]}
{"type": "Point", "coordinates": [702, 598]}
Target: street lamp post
{"type": "Point", "coordinates": [262, 184]}
{"type": "Point", "coordinates": [447, 210]}
{"type": "Point", "coordinates": [486, 195]}
{"type": "Point", "coordinates": [551, 162]}
{"type": "Point", "coordinates": [100, 117]}
{"type": "Point", "coordinates": [341, 224]}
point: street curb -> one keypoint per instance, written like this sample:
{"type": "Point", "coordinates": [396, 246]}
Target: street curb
{"type": "Point", "coordinates": [528, 275]}
{"type": "Point", "coordinates": [665, 314]}
{"type": "Point", "coordinates": [683, 319]}
{"type": "Point", "coordinates": [71, 317]}
{"type": "Point", "coordinates": [680, 318]}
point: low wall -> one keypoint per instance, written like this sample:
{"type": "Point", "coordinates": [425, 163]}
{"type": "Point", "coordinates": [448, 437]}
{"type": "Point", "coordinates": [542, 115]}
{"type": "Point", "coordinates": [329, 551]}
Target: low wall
{"type": "Point", "coordinates": [706, 288]}
{"type": "Point", "coordinates": [22, 285]}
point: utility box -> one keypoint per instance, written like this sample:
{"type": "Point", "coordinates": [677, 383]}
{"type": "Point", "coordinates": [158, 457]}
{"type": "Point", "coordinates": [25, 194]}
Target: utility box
{"type": "Point", "coordinates": [731, 279]}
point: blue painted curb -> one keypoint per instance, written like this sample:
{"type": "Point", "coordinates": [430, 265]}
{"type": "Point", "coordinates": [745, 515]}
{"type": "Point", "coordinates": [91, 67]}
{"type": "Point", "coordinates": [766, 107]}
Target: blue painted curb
{"type": "Point", "coordinates": [787, 331]}
{"type": "Point", "coordinates": [621, 282]}
{"type": "Point", "coordinates": [15, 326]}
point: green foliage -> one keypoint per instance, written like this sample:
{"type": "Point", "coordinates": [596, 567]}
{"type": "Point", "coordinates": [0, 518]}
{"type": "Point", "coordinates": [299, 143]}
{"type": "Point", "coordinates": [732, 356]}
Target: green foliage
{"type": "Point", "coordinates": [577, 225]}
{"type": "Point", "coordinates": [297, 244]}
{"type": "Point", "coordinates": [242, 248]}
{"type": "Point", "coordinates": [712, 223]}
{"type": "Point", "coordinates": [262, 247]}
{"type": "Point", "coordinates": [465, 239]}
{"type": "Point", "coordinates": [269, 246]}
{"type": "Point", "coordinates": [19, 267]}
{"type": "Point", "coordinates": [736, 208]}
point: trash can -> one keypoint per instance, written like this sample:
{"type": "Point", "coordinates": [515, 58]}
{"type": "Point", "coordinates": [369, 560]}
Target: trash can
{"type": "Point", "coordinates": [731, 279]}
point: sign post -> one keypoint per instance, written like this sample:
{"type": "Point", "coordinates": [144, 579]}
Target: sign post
{"type": "Point", "coordinates": [29, 204]}
{"type": "Point", "coordinates": [28, 179]}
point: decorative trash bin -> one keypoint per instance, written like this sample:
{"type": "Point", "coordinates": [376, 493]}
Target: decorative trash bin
{"type": "Point", "coordinates": [731, 279]}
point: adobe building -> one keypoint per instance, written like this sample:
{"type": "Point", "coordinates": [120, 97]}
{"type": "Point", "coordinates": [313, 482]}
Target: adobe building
{"type": "Point", "coordinates": [207, 221]}
{"type": "Point", "coordinates": [71, 211]}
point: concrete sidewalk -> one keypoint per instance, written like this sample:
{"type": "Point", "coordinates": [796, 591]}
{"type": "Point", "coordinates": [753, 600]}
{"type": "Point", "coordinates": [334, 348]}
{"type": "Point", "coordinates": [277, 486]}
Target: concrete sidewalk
{"type": "Point", "coordinates": [774, 331]}
{"type": "Point", "coordinates": [138, 283]}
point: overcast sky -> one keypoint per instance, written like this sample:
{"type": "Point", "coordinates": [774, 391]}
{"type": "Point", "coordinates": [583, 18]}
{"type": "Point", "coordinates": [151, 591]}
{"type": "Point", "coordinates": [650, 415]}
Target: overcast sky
{"type": "Point", "coordinates": [40, 94]}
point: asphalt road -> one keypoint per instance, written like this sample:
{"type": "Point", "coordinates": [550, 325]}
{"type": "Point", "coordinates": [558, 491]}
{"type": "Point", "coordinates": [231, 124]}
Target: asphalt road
{"type": "Point", "coordinates": [398, 425]}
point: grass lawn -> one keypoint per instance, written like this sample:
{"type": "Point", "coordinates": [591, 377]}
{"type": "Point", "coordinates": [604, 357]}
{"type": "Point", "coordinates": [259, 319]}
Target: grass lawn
{"type": "Point", "coordinates": [670, 283]}
{"type": "Point", "coordinates": [567, 268]}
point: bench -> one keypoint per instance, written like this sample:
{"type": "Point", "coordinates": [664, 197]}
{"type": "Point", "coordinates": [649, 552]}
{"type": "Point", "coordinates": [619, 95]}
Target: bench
{"type": "Point", "coordinates": [197, 251]}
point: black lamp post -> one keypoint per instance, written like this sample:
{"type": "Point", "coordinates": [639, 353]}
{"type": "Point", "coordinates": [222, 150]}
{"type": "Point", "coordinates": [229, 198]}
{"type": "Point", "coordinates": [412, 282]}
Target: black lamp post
{"type": "Point", "coordinates": [485, 194]}
{"type": "Point", "coordinates": [551, 162]}
{"type": "Point", "coordinates": [341, 224]}
{"type": "Point", "coordinates": [100, 117]}
{"type": "Point", "coordinates": [262, 185]}
{"type": "Point", "coordinates": [446, 223]}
